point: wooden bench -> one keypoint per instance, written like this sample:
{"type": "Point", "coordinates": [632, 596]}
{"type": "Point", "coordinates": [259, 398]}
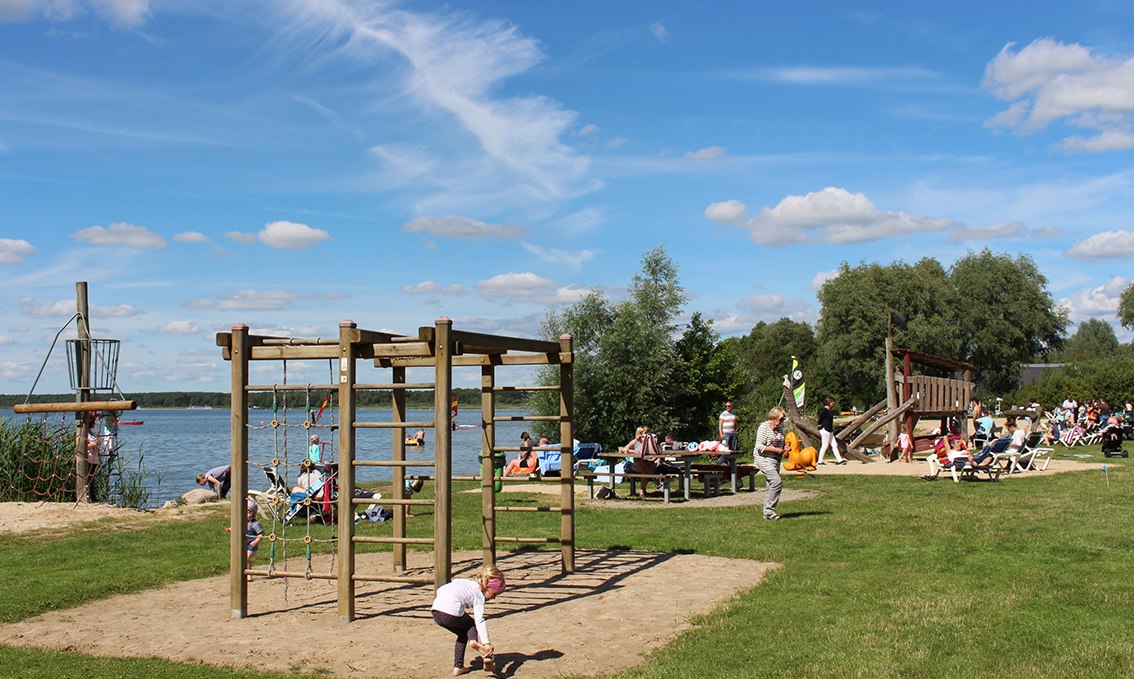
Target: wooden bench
{"type": "Point", "coordinates": [662, 480]}
{"type": "Point", "coordinates": [742, 470]}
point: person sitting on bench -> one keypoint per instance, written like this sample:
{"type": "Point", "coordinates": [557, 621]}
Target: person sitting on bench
{"type": "Point", "coordinates": [644, 452]}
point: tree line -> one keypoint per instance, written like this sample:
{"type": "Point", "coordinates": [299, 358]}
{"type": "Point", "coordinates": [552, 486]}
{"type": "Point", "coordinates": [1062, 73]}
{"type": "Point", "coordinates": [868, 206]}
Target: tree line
{"type": "Point", "coordinates": [638, 363]}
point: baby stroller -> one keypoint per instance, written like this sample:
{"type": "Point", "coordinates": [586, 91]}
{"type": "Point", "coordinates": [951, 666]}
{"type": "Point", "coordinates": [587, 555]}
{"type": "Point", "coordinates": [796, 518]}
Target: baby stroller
{"type": "Point", "coordinates": [1112, 441]}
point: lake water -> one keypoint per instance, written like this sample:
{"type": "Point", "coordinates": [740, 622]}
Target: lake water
{"type": "Point", "coordinates": [176, 445]}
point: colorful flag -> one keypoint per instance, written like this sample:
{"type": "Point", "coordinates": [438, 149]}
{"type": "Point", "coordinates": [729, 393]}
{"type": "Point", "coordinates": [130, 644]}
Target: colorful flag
{"type": "Point", "coordinates": [326, 400]}
{"type": "Point", "coordinates": [453, 407]}
{"type": "Point", "coordinates": [795, 382]}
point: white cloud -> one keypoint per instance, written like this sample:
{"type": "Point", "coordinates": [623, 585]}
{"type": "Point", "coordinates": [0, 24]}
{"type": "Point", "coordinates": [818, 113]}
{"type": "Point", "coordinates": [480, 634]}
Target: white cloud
{"type": "Point", "coordinates": [528, 287]}
{"type": "Point", "coordinates": [1101, 301]}
{"type": "Point", "coordinates": [179, 328]}
{"type": "Point", "coordinates": [246, 300]}
{"type": "Point", "coordinates": [588, 129]}
{"type": "Point", "coordinates": [659, 31]}
{"type": "Point", "coordinates": [1108, 244]}
{"type": "Point", "coordinates": [291, 236]}
{"type": "Point", "coordinates": [707, 153]}
{"type": "Point", "coordinates": [66, 307]}
{"type": "Point", "coordinates": [726, 212]}
{"type": "Point", "coordinates": [616, 143]}
{"type": "Point", "coordinates": [575, 260]}
{"type": "Point", "coordinates": [190, 237]}
{"type": "Point", "coordinates": [462, 227]}
{"type": "Point", "coordinates": [6, 339]}
{"type": "Point", "coordinates": [431, 288]}
{"type": "Point", "coordinates": [404, 163]}
{"type": "Point", "coordinates": [822, 277]}
{"type": "Point", "coordinates": [241, 237]}
{"type": "Point", "coordinates": [838, 215]}
{"type": "Point", "coordinates": [13, 251]}
{"type": "Point", "coordinates": [1006, 229]}
{"type": "Point", "coordinates": [121, 234]}
{"type": "Point", "coordinates": [1050, 81]}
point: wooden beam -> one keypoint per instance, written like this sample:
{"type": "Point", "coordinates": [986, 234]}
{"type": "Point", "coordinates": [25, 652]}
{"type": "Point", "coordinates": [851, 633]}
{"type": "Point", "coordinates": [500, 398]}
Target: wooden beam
{"type": "Point", "coordinates": [75, 406]}
{"type": "Point", "coordinates": [857, 422]}
{"type": "Point", "coordinates": [882, 421]}
{"type": "Point", "coordinates": [487, 341]}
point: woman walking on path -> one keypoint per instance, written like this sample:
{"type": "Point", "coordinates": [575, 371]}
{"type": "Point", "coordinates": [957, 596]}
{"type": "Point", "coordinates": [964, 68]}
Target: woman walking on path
{"type": "Point", "coordinates": [767, 455]}
{"type": "Point", "coordinates": [827, 431]}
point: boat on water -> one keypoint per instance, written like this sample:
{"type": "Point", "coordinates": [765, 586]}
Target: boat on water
{"type": "Point", "coordinates": [131, 422]}
{"type": "Point", "coordinates": [199, 408]}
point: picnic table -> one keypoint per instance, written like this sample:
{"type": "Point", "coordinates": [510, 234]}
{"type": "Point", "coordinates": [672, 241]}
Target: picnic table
{"type": "Point", "coordinates": [684, 460]}
{"type": "Point", "coordinates": [687, 457]}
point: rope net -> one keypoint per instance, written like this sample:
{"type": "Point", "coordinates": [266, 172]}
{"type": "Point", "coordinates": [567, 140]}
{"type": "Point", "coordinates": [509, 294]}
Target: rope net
{"type": "Point", "coordinates": [295, 454]}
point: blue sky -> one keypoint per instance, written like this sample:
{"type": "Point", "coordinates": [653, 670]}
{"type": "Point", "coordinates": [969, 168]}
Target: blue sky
{"type": "Point", "coordinates": [292, 163]}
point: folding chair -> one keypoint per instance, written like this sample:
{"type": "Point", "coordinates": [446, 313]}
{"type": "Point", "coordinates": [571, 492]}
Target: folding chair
{"type": "Point", "coordinates": [1032, 453]}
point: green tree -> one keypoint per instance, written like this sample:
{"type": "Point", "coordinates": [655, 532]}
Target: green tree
{"type": "Point", "coordinates": [854, 317]}
{"type": "Point", "coordinates": [1095, 338]}
{"type": "Point", "coordinates": [625, 356]}
{"type": "Point", "coordinates": [1009, 316]}
{"type": "Point", "coordinates": [764, 357]}
{"type": "Point", "coordinates": [637, 353]}
{"type": "Point", "coordinates": [708, 375]}
{"type": "Point", "coordinates": [1125, 313]}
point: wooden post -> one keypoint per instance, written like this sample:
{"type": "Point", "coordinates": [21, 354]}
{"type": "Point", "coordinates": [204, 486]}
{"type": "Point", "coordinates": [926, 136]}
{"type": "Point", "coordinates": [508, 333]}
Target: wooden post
{"type": "Point", "coordinates": [240, 351]}
{"type": "Point", "coordinates": [567, 448]}
{"type": "Point", "coordinates": [907, 391]}
{"type": "Point", "coordinates": [348, 336]}
{"type": "Point", "coordinates": [488, 463]}
{"type": "Point", "coordinates": [83, 365]}
{"type": "Point", "coordinates": [443, 460]}
{"type": "Point", "coordinates": [398, 414]}
{"type": "Point", "coordinates": [891, 395]}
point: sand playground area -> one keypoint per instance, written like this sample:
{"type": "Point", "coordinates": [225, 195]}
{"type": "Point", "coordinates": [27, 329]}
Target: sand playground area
{"type": "Point", "coordinates": [605, 617]}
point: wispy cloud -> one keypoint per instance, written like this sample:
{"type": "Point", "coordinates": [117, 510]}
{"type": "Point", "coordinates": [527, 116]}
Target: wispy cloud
{"type": "Point", "coordinates": [431, 288]}
{"type": "Point", "coordinates": [66, 307]}
{"type": "Point", "coordinates": [659, 31]}
{"type": "Point", "coordinates": [190, 237]}
{"type": "Point", "coordinates": [255, 300]}
{"type": "Point", "coordinates": [575, 260]}
{"type": "Point", "coordinates": [1049, 81]}
{"type": "Point", "coordinates": [179, 328]}
{"type": "Point", "coordinates": [121, 234]}
{"type": "Point", "coordinates": [834, 214]}
{"type": "Point", "coordinates": [456, 63]}
{"type": "Point", "coordinates": [707, 153]}
{"type": "Point", "coordinates": [462, 228]}
{"type": "Point", "coordinates": [124, 13]}
{"type": "Point", "coordinates": [842, 75]}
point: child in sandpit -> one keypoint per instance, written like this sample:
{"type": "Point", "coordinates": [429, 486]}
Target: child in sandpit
{"type": "Point", "coordinates": [450, 611]}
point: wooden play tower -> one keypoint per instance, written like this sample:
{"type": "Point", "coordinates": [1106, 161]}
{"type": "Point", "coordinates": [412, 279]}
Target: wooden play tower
{"type": "Point", "coordinates": [909, 397]}
{"type": "Point", "coordinates": [441, 348]}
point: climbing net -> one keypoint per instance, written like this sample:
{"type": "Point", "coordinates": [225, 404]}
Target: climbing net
{"type": "Point", "coordinates": [299, 462]}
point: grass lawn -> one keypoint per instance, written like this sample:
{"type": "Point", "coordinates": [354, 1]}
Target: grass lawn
{"type": "Point", "coordinates": [881, 577]}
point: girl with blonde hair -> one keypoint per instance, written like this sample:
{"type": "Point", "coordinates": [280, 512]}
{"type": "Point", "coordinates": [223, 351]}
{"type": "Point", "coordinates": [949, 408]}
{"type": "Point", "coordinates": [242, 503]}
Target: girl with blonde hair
{"type": "Point", "coordinates": [450, 610]}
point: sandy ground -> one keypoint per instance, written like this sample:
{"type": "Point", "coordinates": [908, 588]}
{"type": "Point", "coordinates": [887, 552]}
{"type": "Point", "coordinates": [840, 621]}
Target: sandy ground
{"type": "Point", "coordinates": [605, 617]}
